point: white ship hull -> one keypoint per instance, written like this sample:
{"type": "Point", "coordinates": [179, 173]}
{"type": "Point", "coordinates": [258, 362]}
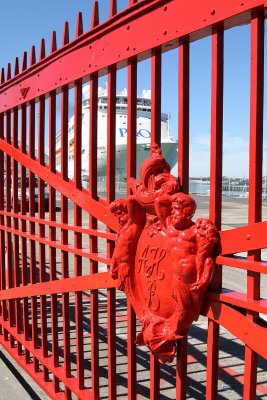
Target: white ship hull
{"type": "Point", "coordinates": [169, 151]}
{"type": "Point", "coordinates": [143, 139]}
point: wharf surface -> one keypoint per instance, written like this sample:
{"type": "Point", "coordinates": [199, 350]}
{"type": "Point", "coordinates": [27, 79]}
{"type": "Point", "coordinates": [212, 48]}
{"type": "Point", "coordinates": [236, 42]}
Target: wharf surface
{"type": "Point", "coordinates": [16, 384]}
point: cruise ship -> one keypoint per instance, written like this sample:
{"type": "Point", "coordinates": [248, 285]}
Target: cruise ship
{"type": "Point", "coordinates": [143, 134]}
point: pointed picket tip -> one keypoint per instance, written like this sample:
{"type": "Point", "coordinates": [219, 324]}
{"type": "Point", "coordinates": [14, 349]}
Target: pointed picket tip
{"type": "Point", "coordinates": [3, 76]}
{"type": "Point", "coordinates": [65, 39]}
{"type": "Point", "coordinates": [33, 56]}
{"type": "Point", "coordinates": [79, 24]}
{"type": "Point", "coordinates": [42, 49]}
{"type": "Point", "coordinates": [16, 68]}
{"type": "Point", "coordinates": [8, 73]}
{"type": "Point", "coordinates": [113, 8]}
{"type": "Point", "coordinates": [95, 15]}
{"type": "Point", "coordinates": [24, 61]}
{"type": "Point", "coordinates": [53, 42]}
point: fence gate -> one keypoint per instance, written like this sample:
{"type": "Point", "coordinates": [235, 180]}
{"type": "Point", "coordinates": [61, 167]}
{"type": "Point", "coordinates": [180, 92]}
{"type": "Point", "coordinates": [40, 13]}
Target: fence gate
{"type": "Point", "coordinates": [62, 318]}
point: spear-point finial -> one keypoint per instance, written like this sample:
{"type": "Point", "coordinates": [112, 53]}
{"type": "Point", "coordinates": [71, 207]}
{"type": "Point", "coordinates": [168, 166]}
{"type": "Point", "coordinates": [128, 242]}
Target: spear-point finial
{"type": "Point", "coordinates": [53, 42]}
{"type": "Point", "coordinates": [16, 68]}
{"type": "Point", "coordinates": [42, 49]}
{"type": "Point", "coordinates": [3, 76]}
{"type": "Point", "coordinates": [33, 56]}
{"type": "Point", "coordinates": [95, 15]}
{"type": "Point", "coordinates": [8, 73]}
{"type": "Point", "coordinates": [79, 24]}
{"type": "Point", "coordinates": [113, 8]}
{"type": "Point", "coordinates": [24, 61]}
{"type": "Point", "coordinates": [65, 39]}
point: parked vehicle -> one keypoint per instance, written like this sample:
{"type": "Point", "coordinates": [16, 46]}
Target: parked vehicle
{"type": "Point", "coordinates": [36, 194]}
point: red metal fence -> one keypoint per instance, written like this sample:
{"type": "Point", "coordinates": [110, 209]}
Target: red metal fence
{"type": "Point", "coordinates": [61, 317]}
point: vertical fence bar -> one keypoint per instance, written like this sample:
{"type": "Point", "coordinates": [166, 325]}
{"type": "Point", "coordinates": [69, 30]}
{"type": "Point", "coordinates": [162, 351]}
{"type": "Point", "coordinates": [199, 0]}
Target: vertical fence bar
{"type": "Point", "coordinates": [183, 114]}
{"type": "Point", "coordinates": [255, 182]}
{"type": "Point", "coordinates": [111, 131]}
{"type": "Point", "coordinates": [42, 204]}
{"type": "Point", "coordinates": [2, 220]}
{"type": "Point", "coordinates": [9, 248]}
{"type": "Point", "coordinates": [181, 368]}
{"type": "Point", "coordinates": [131, 173]}
{"type": "Point", "coordinates": [93, 239]}
{"type": "Point", "coordinates": [24, 229]}
{"type": "Point", "coordinates": [78, 236]}
{"type": "Point", "coordinates": [17, 274]}
{"type": "Point", "coordinates": [111, 293]}
{"type": "Point", "coordinates": [183, 174]}
{"type": "Point", "coordinates": [64, 234]}
{"type": "Point", "coordinates": [215, 196]}
{"type": "Point", "coordinates": [52, 232]}
{"type": "Point", "coordinates": [112, 8]}
{"type": "Point", "coordinates": [156, 96]}
{"type": "Point", "coordinates": [31, 205]}
{"type": "Point", "coordinates": [155, 138]}
{"type": "Point", "coordinates": [216, 126]}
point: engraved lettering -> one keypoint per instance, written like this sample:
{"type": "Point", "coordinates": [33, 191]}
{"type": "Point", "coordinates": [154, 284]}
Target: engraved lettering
{"type": "Point", "coordinates": [150, 264]}
{"type": "Point", "coordinates": [143, 261]}
{"type": "Point", "coordinates": [153, 301]}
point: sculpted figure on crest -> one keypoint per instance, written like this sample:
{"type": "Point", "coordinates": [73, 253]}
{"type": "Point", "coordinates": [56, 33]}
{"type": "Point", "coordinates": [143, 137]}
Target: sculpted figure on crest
{"type": "Point", "coordinates": [163, 260]}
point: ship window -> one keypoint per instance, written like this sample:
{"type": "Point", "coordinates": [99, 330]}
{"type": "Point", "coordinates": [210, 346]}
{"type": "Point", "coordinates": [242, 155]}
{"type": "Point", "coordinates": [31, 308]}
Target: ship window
{"type": "Point", "coordinates": [103, 100]}
{"type": "Point", "coordinates": [121, 100]}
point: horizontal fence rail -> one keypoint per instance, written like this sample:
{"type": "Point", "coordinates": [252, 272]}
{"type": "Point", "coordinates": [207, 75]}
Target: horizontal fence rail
{"type": "Point", "coordinates": [62, 318]}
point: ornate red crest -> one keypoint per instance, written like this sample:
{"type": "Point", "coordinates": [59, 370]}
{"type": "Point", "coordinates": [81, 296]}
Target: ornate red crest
{"type": "Point", "coordinates": [163, 260]}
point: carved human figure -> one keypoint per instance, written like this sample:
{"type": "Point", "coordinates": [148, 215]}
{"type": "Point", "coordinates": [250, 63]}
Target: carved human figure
{"type": "Point", "coordinates": [192, 249]}
{"type": "Point", "coordinates": [131, 218]}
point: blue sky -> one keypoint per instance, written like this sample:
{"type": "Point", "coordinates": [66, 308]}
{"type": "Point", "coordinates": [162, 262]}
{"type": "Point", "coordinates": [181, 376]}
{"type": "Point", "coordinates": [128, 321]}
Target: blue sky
{"type": "Point", "coordinates": [23, 24]}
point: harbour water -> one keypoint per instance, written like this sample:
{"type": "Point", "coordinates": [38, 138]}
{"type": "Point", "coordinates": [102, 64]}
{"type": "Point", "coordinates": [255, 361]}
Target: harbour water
{"type": "Point", "coordinates": [204, 190]}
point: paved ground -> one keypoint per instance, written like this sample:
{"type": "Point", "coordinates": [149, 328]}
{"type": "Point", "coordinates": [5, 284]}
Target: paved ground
{"type": "Point", "coordinates": [15, 384]}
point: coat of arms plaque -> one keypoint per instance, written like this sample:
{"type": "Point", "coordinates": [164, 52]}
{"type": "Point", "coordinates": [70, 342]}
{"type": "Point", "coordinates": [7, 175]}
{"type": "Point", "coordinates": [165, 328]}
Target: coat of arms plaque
{"type": "Point", "coordinates": [163, 260]}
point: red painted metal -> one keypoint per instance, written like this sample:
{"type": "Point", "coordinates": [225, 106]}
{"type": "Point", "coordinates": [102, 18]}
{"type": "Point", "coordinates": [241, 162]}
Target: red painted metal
{"type": "Point", "coordinates": [131, 172]}
{"type": "Point", "coordinates": [54, 264]}
{"type": "Point", "coordinates": [215, 195]}
{"type": "Point", "coordinates": [156, 232]}
{"type": "Point", "coordinates": [255, 188]}
{"type": "Point", "coordinates": [183, 115]}
{"type": "Point", "coordinates": [94, 297]}
{"type": "Point", "coordinates": [110, 195]}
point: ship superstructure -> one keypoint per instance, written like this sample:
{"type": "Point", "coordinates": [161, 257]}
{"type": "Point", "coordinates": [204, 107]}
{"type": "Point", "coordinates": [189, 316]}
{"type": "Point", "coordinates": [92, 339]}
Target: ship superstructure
{"type": "Point", "coordinates": [143, 135]}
